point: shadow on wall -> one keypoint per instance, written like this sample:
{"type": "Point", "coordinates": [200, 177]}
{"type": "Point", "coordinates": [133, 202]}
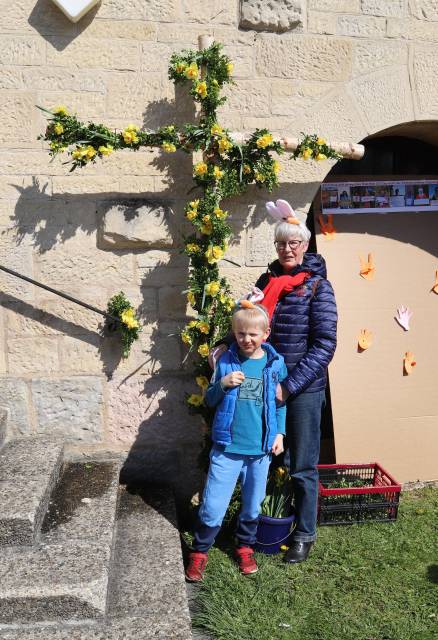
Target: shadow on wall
{"type": "Point", "coordinates": [50, 21]}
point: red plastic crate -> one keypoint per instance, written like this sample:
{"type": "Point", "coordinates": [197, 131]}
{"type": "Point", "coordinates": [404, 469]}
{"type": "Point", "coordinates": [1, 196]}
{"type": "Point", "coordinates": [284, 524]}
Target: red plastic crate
{"type": "Point", "coordinates": [373, 498]}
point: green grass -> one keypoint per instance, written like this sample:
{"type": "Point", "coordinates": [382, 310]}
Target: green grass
{"type": "Point", "coordinates": [361, 582]}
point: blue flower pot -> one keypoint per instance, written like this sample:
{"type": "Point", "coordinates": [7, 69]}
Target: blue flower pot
{"type": "Point", "coordinates": [273, 532]}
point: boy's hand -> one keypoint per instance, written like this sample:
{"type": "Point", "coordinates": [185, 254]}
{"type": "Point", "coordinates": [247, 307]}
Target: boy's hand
{"type": "Point", "coordinates": [281, 393]}
{"type": "Point", "coordinates": [233, 379]}
{"type": "Point", "coordinates": [215, 354]}
{"type": "Point", "coordinates": [278, 446]}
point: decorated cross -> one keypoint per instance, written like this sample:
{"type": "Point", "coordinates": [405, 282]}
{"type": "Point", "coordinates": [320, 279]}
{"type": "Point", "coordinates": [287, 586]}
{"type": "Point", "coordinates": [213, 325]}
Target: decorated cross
{"type": "Point", "coordinates": [230, 162]}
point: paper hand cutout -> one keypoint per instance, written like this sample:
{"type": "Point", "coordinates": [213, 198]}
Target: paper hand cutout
{"type": "Point", "coordinates": [327, 228]}
{"type": "Point", "coordinates": [404, 314]}
{"type": "Point", "coordinates": [367, 268]}
{"type": "Point", "coordinates": [365, 339]}
{"type": "Point", "coordinates": [408, 362]}
{"type": "Point", "coordinates": [435, 286]}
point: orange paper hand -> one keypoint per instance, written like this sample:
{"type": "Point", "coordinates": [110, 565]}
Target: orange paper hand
{"type": "Point", "coordinates": [327, 228]}
{"type": "Point", "coordinates": [367, 268]}
{"type": "Point", "coordinates": [365, 339]}
{"type": "Point", "coordinates": [435, 286]}
{"type": "Point", "coordinates": [408, 362]}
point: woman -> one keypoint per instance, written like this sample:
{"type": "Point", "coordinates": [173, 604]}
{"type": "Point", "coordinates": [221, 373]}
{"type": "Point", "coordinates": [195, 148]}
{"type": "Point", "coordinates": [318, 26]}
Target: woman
{"type": "Point", "coordinates": [303, 314]}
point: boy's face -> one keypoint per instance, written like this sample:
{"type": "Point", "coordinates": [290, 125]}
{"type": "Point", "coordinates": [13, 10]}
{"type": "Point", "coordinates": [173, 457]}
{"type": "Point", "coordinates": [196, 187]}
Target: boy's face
{"type": "Point", "coordinates": [249, 336]}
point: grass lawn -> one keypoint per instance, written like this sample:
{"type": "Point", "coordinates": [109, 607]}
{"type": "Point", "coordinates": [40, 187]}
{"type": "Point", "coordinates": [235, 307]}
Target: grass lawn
{"type": "Point", "coordinates": [361, 582]}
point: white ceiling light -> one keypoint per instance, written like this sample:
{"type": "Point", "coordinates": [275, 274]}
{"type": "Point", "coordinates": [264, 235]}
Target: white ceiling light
{"type": "Point", "coordinates": [75, 9]}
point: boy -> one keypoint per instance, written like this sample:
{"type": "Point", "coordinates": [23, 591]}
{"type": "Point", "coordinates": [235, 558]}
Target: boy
{"type": "Point", "coordinates": [247, 428]}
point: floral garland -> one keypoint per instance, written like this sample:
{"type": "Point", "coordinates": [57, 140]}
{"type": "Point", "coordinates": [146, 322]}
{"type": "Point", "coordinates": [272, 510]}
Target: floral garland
{"type": "Point", "coordinates": [120, 307]}
{"type": "Point", "coordinates": [226, 169]}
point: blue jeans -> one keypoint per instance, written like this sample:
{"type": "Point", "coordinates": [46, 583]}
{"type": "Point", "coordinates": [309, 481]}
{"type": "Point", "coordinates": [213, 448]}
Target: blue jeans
{"type": "Point", "coordinates": [224, 472]}
{"type": "Point", "coordinates": [303, 435]}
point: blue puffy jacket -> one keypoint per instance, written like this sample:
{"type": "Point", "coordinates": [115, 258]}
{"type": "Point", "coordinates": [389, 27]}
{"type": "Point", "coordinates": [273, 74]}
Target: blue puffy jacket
{"type": "Point", "coordinates": [303, 326]}
{"type": "Point", "coordinates": [225, 401]}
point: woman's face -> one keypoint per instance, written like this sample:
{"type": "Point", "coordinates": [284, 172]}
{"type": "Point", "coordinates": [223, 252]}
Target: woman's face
{"type": "Point", "coordinates": [290, 252]}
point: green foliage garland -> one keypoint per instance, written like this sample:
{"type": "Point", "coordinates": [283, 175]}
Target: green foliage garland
{"type": "Point", "coordinates": [129, 327]}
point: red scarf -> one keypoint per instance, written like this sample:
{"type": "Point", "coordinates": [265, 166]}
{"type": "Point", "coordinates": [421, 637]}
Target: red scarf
{"type": "Point", "coordinates": [278, 287]}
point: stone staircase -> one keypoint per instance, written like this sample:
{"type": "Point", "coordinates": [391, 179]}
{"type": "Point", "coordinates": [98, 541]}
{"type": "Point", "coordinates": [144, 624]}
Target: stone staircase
{"type": "Point", "coordinates": [82, 557]}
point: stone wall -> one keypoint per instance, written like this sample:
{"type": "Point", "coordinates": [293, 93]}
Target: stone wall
{"type": "Point", "coordinates": [343, 68]}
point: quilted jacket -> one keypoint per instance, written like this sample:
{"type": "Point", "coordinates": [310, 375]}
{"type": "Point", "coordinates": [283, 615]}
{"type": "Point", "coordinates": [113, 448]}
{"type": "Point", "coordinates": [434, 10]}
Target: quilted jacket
{"type": "Point", "coordinates": [303, 326]}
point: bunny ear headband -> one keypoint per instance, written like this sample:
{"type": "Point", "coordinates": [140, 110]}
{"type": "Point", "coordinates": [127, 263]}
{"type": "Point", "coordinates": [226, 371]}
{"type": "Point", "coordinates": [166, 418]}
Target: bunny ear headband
{"type": "Point", "coordinates": [281, 210]}
{"type": "Point", "coordinates": [251, 300]}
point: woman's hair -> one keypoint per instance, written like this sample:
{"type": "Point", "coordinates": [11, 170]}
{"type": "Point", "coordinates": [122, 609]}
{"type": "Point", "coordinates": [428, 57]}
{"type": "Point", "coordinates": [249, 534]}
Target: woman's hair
{"type": "Point", "coordinates": [257, 314]}
{"type": "Point", "coordinates": [285, 231]}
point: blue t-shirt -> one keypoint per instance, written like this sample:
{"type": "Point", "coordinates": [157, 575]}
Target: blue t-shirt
{"type": "Point", "coordinates": [247, 428]}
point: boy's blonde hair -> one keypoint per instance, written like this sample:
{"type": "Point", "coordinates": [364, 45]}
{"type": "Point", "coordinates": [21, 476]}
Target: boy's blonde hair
{"type": "Point", "coordinates": [257, 314]}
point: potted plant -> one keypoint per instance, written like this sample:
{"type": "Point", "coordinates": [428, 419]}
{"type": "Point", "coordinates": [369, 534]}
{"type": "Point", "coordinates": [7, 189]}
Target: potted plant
{"type": "Point", "coordinates": [276, 518]}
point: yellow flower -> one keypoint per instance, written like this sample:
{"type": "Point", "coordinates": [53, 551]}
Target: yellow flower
{"type": "Point", "coordinates": [195, 400]}
{"type": "Point", "coordinates": [224, 145]}
{"type": "Point", "coordinates": [128, 318]}
{"type": "Point", "coordinates": [192, 71]}
{"type": "Point", "coordinates": [191, 214]}
{"type": "Point", "coordinates": [58, 128]}
{"type": "Point", "coordinates": [60, 110]}
{"type": "Point", "coordinates": [169, 147]}
{"type": "Point", "coordinates": [230, 68]}
{"type": "Point", "coordinates": [203, 350]}
{"type": "Point", "coordinates": [186, 338]}
{"type": "Point", "coordinates": [320, 141]}
{"type": "Point", "coordinates": [191, 298]}
{"type": "Point", "coordinates": [203, 326]}
{"type": "Point", "coordinates": [91, 152]}
{"type": "Point", "coordinates": [192, 323]}
{"type": "Point", "coordinates": [212, 288]}
{"type": "Point", "coordinates": [218, 173]}
{"type": "Point", "coordinates": [77, 153]}
{"type": "Point", "coordinates": [220, 214]}
{"type": "Point", "coordinates": [260, 177]}
{"type": "Point", "coordinates": [132, 127]}
{"type": "Point", "coordinates": [194, 204]}
{"type": "Point", "coordinates": [202, 382]}
{"type": "Point", "coordinates": [192, 247]}
{"type": "Point", "coordinates": [276, 166]}
{"type": "Point", "coordinates": [264, 141]}
{"type": "Point", "coordinates": [321, 156]}
{"type": "Point", "coordinates": [180, 67]}
{"type": "Point", "coordinates": [201, 168]}
{"type": "Point", "coordinates": [207, 226]}
{"type": "Point", "coordinates": [105, 151]}
{"type": "Point", "coordinates": [201, 89]}
{"type": "Point", "coordinates": [246, 168]}
{"type": "Point", "coordinates": [129, 136]}
{"type": "Point", "coordinates": [213, 254]}
{"type": "Point", "coordinates": [216, 130]}
{"type": "Point", "coordinates": [306, 153]}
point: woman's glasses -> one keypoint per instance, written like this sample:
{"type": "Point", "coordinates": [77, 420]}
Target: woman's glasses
{"type": "Point", "coordinates": [282, 246]}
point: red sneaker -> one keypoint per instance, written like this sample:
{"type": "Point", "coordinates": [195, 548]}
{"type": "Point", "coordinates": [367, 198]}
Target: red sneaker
{"type": "Point", "coordinates": [196, 567]}
{"type": "Point", "coordinates": [246, 561]}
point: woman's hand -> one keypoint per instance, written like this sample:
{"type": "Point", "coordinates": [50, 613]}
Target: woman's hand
{"type": "Point", "coordinates": [216, 353]}
{"type": "Point", "coordinates": [278, 446]}
{"type": "Point", "coordinates": [233, 379]}
{"type": "Point", "coordinates": [281, 394]}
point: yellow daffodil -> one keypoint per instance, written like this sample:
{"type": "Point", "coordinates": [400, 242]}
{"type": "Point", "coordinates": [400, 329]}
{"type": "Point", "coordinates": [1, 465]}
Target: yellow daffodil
{"type": "Point", "coordinates": [264, 141]}
{"type": "Point", "coordinates": [321, 156]}
{"type": "Point", "coordinates": [128, 318]}
{"type": "Point", "coordinates": [91, 152]}
{"type": "Point", "coordinates": [186, 338]}
{"type": "Point", "coordinates": [213, 254]}
{"type": "Point", "coordinates": [203, 350]}
{"type": "Point", "coordinates": [203, 326]}
{"type": "Point", "coordinates": [212, 288]}
{"type": "Point", "coordinates": [58, 128]}
{"type": "Point", "coordinates": [180, 67]}
{"type": "Point", "coordinates": [77, 153]}
{"type": "Point", "coordinates": [191, 215]}
{"type": "Point", "coordinates": [276, 166]}
{"type": "Point", "coordinates": [191, 298]}
{"type": "Point", "coordinates": [192, 247]}
{"type": "Point", "coordinates": [224, 145]}
{"type": "Point", "coordinates": [169, 147]}
{"type": "Point", "coordinates": [246, 169]}
{"type": "Point", "coordinates": [192, 324]}
{"type": "Point", "coordinates": [129, 136]}
{"type": "Point", "coordinates": [195, 400]}
{"type": "Point", "coordinates": [106, 150]}
{"type": "Point", "coordinates": [202, 382]}
{"type": "Point", "coordinates": [230, 68]}
{"type": "Point", "coordinates": [60, 110]}
{"type": "Point", "coordinates": [216, 130]}
{"type": "Point", "coordinates": [201, 168]}
{"type": "Point", "coordinates": [260, 177]}
{"type": "Point", "coordinates": [206, 227]}
{"type": "Point", "coordinates": [218, 173]}
{"type": "Point", "coordinates": [220, 214]}
{"type": "Point", "coordinates": [194, 204]}
{"type": "Point", "coordinates": [201, 89]}
{"type": "Point", "coordinates": [306, 153]}
{"type": "Point", "coordinates": [320, 141]}
{"type": "Point", "coordinates": [192, 71]}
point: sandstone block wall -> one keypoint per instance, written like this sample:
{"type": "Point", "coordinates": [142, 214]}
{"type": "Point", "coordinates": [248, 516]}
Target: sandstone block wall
{"type": "Point", "coordinates": [343, 69]}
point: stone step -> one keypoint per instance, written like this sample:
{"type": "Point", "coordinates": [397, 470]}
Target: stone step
{"type": "Point", "coordinates": [29, 469]}
{"type": "Point", "coordinates": [3, 425]}
{"type": "Point", "coordinates": [65, 576]}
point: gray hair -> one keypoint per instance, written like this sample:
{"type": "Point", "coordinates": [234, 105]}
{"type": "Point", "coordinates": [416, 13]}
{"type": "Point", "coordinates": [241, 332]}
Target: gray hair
{"type": "Point", "coordinates": [285, 231]}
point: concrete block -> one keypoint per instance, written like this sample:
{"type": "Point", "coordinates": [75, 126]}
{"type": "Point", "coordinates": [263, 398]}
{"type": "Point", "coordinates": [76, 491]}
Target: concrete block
{"type": "Point", "coordinates": [27, 356]}
{"type": "Point", "coordinates": [277, 15]}
{"type": "Point", "coordinates": [425, 65]}
{"type": "Point", "coordinates": [361, 26]}
{"type": "Point", "coordinates": [135, 224]}
{"type": "Point", "coordinates": [371, 55]}
{"type": "Point", "coordinates": [17, 115]}
{"type": "Point", "coordinates": [336, 6]}
{"type": "Point", "coordinates": [424, 9]}
{"type": "Point", "coordinates": [386, 8]}
{"type": "Point", "coordinates": [14, 397]}
{"type": "Point", "coordinates": [155, 10]}
{"type": "Point", "coordinates": [129, 29]}
{"type": "Point", "coordinates": [321, 22]}
{"type": "Point", "coordinates": [22, 50]}
{"type": "Point", "coordinates": [116, 55]}
{"type": "Point", "coordinates": [210, 13]}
